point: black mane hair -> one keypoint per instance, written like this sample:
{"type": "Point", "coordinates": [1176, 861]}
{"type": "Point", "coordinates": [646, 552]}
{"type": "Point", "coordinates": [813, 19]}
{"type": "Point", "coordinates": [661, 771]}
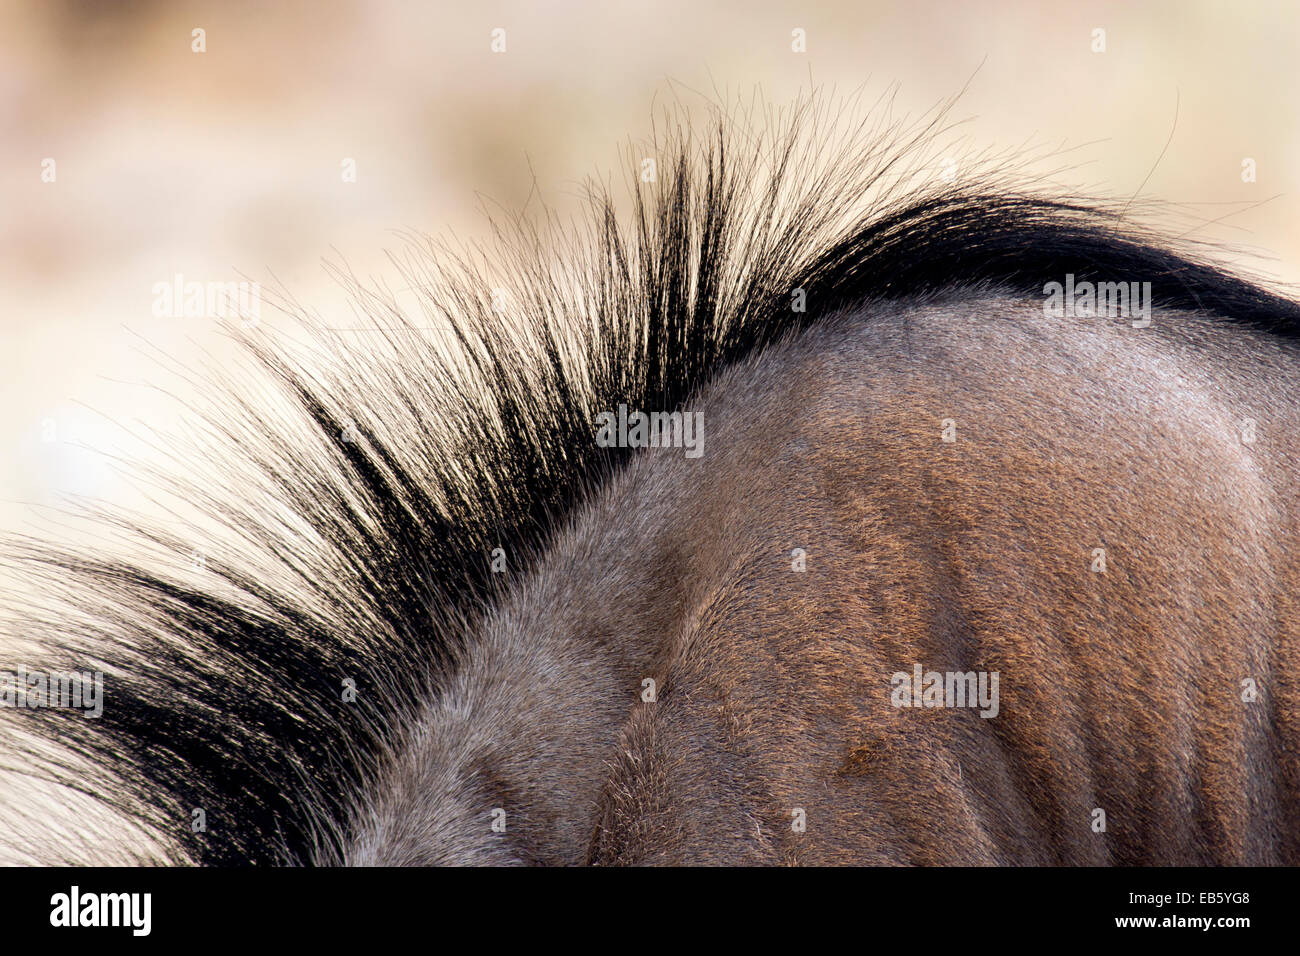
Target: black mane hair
{"type": "Point", "coordinates": [358, 522]}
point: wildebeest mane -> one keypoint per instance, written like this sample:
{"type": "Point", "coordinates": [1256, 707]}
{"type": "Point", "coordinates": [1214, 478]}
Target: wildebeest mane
{"type": "Point", "coordinates": [363, 523]}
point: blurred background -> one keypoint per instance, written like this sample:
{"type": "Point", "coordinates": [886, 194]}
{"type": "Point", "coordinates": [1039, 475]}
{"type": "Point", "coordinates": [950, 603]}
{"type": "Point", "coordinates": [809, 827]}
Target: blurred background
{"type": "Point", "coordinates": [228, 162]}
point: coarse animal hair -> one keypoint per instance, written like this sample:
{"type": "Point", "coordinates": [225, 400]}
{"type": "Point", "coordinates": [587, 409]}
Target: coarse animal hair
{"type": "Point", "coordinates": [361, 521]}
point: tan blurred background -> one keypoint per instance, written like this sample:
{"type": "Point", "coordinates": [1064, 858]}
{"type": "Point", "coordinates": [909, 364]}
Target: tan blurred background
{"type": "Point", "coordinates": [228, 162]}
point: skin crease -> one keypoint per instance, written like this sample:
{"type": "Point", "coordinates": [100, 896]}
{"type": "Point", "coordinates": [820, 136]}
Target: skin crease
{"type": "Point", "coordinates": [1119, 690]}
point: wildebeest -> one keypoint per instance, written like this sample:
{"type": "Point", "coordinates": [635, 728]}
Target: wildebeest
{"type": "Point", "coordinates": [823, 510]}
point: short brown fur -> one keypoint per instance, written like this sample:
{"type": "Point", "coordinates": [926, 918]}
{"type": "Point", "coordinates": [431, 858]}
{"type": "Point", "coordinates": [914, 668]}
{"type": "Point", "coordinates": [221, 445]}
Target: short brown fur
{"type": "Point", "coordinates": [1120, 690]}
